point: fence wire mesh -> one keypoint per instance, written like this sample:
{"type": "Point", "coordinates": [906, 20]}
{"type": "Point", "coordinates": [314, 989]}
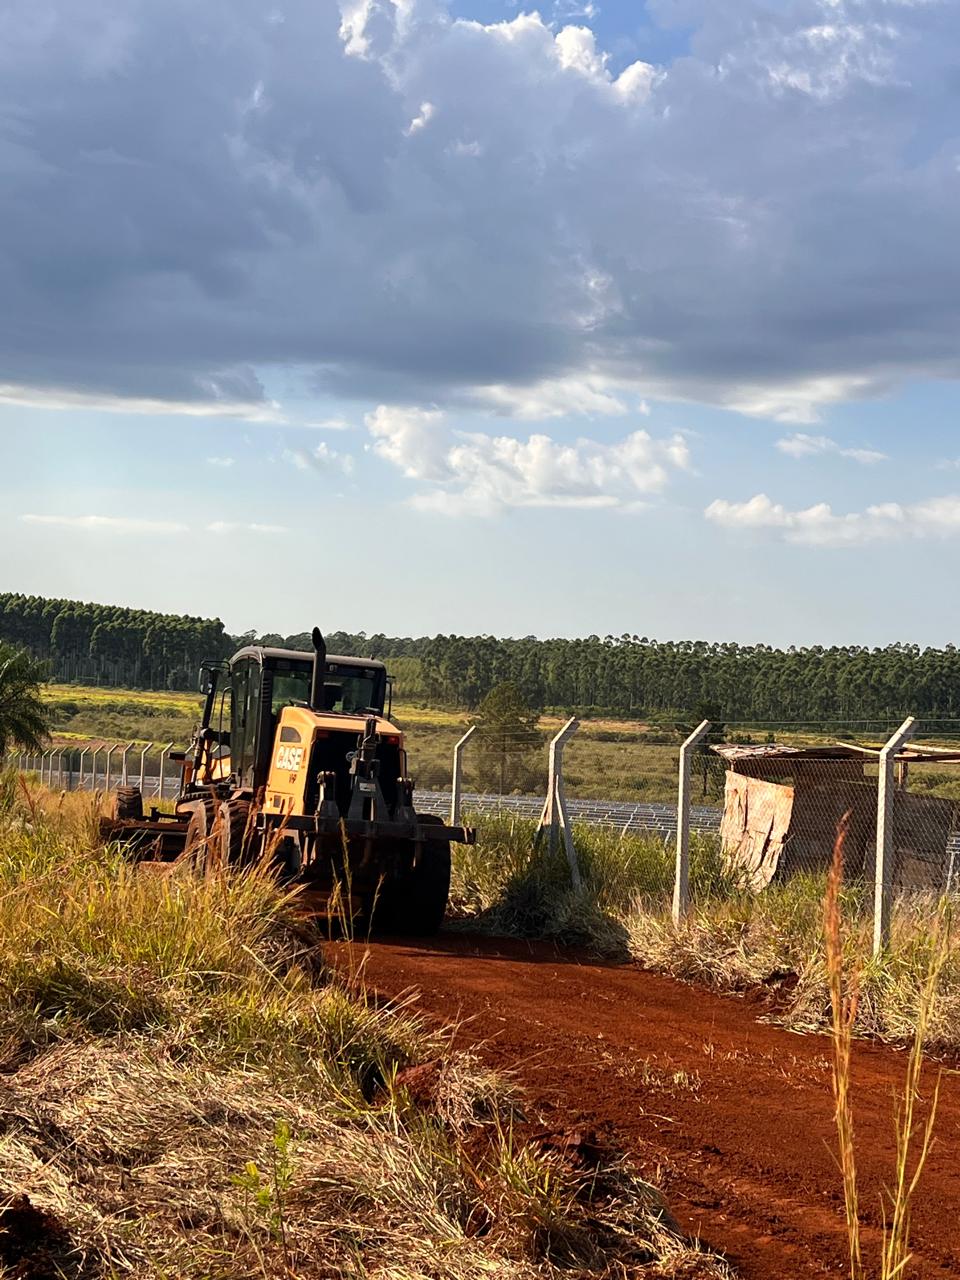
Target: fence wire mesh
{"type": "Point", "coordinates": [771, 804]}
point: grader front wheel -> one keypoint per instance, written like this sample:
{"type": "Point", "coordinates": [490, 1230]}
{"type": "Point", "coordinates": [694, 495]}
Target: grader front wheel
{"type": "Point", "coordinates": [415, 904]}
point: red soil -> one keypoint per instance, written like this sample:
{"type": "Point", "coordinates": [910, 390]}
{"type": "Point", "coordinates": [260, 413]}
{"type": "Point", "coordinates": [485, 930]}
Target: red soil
{"type": "Point", "coordinates": [745, 1157]}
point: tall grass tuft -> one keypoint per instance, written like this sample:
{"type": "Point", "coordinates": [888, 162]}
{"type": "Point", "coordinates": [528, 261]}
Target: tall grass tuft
{"type": "Point", "coordinates": [845, 976]}
{"type": "Point", "coordinates": [191, 1092]}
{"type": "Point", "coordinates": [843, 1006]}
{"type": "Point", "coordinates": [501, 885]}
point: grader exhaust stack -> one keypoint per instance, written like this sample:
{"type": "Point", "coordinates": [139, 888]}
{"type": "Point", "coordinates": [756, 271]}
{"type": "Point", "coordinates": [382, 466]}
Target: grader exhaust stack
{"type": "Point", "coordinates": [319, 669]}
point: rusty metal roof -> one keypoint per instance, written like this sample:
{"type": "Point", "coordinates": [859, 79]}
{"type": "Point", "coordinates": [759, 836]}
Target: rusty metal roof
{"type": "Point", "coordinates": [779, 750]}
{"type": "Point", "coordinates": [736, 751]}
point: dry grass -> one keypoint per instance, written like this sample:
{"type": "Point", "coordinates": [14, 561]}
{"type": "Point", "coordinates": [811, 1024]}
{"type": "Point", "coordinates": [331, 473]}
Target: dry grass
{"type": "Point", "coordinates": [845, 982]}
{"type": "Point", "coordinates": [190, 1092]}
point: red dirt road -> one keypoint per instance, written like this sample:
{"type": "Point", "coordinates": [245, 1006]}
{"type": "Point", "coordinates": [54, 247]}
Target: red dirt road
{"type": "Point", "coordinates": [732, 1117]}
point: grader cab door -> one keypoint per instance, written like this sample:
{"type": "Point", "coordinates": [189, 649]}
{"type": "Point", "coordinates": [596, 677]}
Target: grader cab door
{"type": "Point", "coordinates": [244, 720]}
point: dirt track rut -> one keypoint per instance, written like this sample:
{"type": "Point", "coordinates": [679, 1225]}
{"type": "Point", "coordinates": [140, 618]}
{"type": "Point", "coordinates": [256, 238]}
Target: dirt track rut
{"type": "Point", "coordinates": [732, 1116]}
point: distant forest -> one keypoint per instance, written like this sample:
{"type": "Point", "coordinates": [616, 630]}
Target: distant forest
{"type": "Point", "coordinates": [617, 675]}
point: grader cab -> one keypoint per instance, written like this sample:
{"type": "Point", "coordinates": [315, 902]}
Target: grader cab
{"type": "Point", "coordinates": [296, 760]}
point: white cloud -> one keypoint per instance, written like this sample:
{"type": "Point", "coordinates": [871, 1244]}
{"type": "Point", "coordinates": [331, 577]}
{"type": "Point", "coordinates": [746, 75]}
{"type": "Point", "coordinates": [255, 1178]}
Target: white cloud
{"type": "Point", "coordinates": [124, 525]}
{"type": "Point", "coordinates": [421, 119]}
{"type": "Point", "coordinates": [805, 446]}
{"type": "Point", "coordinates": [552, 398]}
{"type": "Point", "coordinates": [220, 462]}
{"type": "Point", "coordinates": [326, 424]}
{"type": "Point", "coordinates": [108, 524]}
{"type": "Point", "coordinates": [410, 439]}
{"type": "Point", "coordinates": [320, 458]}
{"type": "Point", "coordinates": [819, 525]}
{"type": "Point", "coordinates": [577, 49]}
{"type": "Point", "coordinates": [229, 526]}
{"type": "Point", "coordinates": [479, 474]}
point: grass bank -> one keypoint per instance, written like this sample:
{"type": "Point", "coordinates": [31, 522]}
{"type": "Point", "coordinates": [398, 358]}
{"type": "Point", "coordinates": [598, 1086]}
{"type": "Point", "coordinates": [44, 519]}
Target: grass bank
{"type": "Point", "coordinates": [769, 942]}
{"type": "Point", "coordinates": [189, 1091]}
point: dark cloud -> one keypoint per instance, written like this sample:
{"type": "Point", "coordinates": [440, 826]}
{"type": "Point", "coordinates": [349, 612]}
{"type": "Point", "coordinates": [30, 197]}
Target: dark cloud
{"type": "Point", "coordinates": [189, 192]}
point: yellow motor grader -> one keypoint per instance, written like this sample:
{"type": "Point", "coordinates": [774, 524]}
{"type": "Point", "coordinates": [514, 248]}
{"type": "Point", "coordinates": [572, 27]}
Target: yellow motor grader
{"type": "Point", "coordinates": [296, 760]}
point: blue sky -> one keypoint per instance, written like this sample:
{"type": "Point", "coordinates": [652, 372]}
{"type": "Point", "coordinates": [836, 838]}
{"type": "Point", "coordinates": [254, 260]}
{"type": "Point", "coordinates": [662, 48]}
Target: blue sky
{"type": "Point", "coordinates": [412, 316]}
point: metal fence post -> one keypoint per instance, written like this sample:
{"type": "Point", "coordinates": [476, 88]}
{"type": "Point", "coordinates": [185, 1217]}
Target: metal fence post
{"type": "Point", "coordinates": [123, 762]}
{"type": "Point", "coordinates": [96, 751]}
{"type": "Point", "coordinates": [883, 874]}
{"type": "Point", "coordinates": [60, 768]}
{"type": "Point", "coordinates": [681, 883]}
{"type": "Point", "coordinates": [80, 769]}
{"type": "Point", "coordinates": [163, 757]}
{"type": "Point", "coordinates": [456, 789]}
{"type": "Point", "coordinates": [143, 765]}
{"type": "Point", "coordinates": [554, 815]}
{"type": "Point", "coordinates": [109, 769]}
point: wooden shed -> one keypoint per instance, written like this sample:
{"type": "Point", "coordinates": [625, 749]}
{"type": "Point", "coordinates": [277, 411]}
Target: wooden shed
{"type": "Point", "coordinates": [783, 806]}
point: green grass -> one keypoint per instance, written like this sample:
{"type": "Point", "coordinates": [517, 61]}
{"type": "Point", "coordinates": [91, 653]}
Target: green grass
{"type": "Point", "coordinates": [191, 1092]}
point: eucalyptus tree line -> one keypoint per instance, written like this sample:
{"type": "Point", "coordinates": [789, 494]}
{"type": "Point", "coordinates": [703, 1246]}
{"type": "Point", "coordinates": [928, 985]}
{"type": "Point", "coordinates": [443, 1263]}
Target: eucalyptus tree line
{"type": "Point", "coordinates": [620, 675]}
{"type": "Point", "coordinates": [110, 644]}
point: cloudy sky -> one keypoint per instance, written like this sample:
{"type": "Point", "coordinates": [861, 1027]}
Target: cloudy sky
{"type": "Point", "coordinates": [450, 315]}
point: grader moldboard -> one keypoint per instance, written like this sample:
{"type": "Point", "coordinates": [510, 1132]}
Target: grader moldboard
{"type": "Point", "coordinates": [296, 761]}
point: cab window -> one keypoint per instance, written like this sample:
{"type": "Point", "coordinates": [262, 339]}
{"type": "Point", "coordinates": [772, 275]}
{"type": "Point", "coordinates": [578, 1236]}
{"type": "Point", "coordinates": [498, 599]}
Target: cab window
{"type": "Point", "coordinates": [351, 689]}
{"type": "Point", "coordinates": [288, 687]}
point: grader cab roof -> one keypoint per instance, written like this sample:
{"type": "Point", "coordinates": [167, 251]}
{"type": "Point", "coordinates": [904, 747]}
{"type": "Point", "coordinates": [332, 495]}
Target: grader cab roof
{"type": "Point", "coordinates": [261, 652]}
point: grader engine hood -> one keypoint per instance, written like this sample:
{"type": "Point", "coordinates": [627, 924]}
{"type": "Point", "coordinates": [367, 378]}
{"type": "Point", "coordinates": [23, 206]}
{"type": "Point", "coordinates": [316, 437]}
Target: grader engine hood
{"type": "Point", "coordinates": [337, 765]}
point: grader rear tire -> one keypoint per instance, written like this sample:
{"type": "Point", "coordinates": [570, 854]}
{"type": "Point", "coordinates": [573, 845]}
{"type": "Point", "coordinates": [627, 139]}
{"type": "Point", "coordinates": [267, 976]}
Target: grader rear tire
{"type": "Point", "coordinates": [236, 838]}
{"type": "Point", "coordinates": [196, 842]}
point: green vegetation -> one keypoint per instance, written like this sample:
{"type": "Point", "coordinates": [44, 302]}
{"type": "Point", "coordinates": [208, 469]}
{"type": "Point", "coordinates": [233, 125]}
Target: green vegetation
{"type": "Point", "coordinates": [111, 644]}
{"type": "Point", "coordinates": [625, 675]}
{"type": "Point", "coordinates": [609, 759]}
{"type": "Point", "coordinates": [190, 1091]}
{"type": "Point", "coordinates": [78, 711]}
{"type": "Point", "coordinates": [507, 739]}
{"type": "Point", "coordinates": [24, 721]}
{"type": "Point", "coordinates": [606, 760]}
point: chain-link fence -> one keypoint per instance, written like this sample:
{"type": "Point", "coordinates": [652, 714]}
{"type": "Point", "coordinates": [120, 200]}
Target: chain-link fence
{"type": "Point", "coordinates": [98, 765]}
{"type": "Point", "coordinates": [775, 808]}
